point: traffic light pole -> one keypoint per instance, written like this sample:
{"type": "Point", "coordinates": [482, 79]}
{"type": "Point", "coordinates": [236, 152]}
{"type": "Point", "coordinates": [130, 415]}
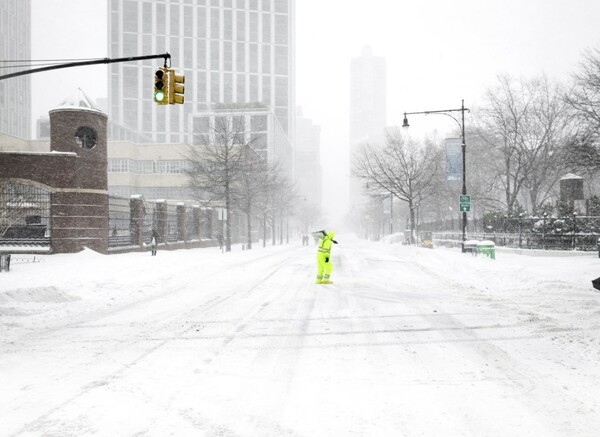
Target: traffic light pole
{"type": "Point", "coordinates": [84, 63]}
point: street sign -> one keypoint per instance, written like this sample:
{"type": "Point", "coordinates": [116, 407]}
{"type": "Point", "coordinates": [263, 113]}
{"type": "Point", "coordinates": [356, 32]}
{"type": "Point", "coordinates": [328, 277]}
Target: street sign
{"type": "Point", "coordinates": [464, 203]}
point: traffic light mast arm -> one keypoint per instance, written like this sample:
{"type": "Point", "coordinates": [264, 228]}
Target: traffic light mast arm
{"type": "Point", "coordinates": [83, 63]}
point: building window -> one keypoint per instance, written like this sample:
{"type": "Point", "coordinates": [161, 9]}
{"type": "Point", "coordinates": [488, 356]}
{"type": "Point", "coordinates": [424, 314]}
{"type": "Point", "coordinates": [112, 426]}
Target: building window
{"type": "Point", "coordinates": [258, 123]}
{"type": "Point", "coordinates": [281, 6]}
{"type": "Point", "coordinates": [214, 55]}
{"type": "Point", "coordinates": [214, 88]}
{"type": "Point", "coordinates": [253, 58]}
{"type": "Point", "coordinates": [227, 56]}
{"type": "Point", "coordinates": [266, 28]}
{"type": "Point", "coordinates": [201, 54]}
{"type": "Point", "coordinates": [174, 20]}
{"type": "Point", "coordinates": [253, 27]}
{"type": "Point", "coordinates": [161, 18]}
{"type": "Point", "coordinates": [281, 91]}
{"type": "Point", "coordinates": [281, 60]}
{"type": "Point", "coordinates": [130, 18]}
{"type": "Point", "coordinates": [214, 23]}
{"type": "Point", "coordinates": [241, 57]}
{"type": "Point", "coordinates": [202, 23]}
{"type": "Point", "coordinates": [147, 17]}
{"type": "Point", "coordinates": [227, 87]}
{"type": "Point", "coordinates": [266, 90]}
{"type": "Point", "coordinates": [281, 29]}
{"type": "Point", "coordinates": [228, 24]}
{"type": "Point", "coordinates": [241, 26]}
{"type": "Point", "coordinates": [118, 165]}
{"type": "Point", "coordinates": [266, 59]}
{"type": "Point", "coordinates": [241, 88]}
{"type": "Point", "coordinates": [254, 88]}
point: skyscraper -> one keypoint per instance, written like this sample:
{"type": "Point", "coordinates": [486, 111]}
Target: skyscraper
{"type": "Point", "coordinates": [307, 160]}
{"type": "Point", "coordinates": [232, 53]}
{"type": "Point", "coordinates": [367, 96]}
{"type": "Point", "coordinates": [15, 46]}
{"type": "Point", "coordinates": [367, 110]}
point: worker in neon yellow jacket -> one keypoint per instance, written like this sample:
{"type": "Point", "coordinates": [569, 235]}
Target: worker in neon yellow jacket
{"type": "Point", "coordinates": [324, 257]}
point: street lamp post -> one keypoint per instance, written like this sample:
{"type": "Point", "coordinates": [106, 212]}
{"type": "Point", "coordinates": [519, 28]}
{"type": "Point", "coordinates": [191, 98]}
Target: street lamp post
{"type": "Point", "coordinates": [461, 125]}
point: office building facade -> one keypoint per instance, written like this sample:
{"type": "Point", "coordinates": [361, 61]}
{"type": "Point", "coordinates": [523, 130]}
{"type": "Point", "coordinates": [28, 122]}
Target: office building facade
{"type": "Point", "coordinates": [233, 53]}
{"type": "Point", "coordinates": [15, 47]}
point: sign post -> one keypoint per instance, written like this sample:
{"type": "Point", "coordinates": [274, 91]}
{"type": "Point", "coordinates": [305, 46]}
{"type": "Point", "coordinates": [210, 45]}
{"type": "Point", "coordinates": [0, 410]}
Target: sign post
{"type": "Point", "coordinates": [464, 203]}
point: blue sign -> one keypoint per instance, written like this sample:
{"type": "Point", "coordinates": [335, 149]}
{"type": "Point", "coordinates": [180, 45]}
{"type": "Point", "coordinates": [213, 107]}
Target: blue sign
{"type": "Point", "coordinates": [453, 159]}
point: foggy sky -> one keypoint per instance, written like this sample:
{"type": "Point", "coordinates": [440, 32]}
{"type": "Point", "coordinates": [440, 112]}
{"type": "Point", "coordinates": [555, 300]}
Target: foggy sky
{"type": "Point", "coordinates": [437, 53]}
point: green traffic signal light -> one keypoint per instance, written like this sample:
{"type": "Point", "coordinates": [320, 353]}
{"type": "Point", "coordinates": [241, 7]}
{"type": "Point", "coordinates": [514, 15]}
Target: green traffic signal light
{"type": "Point", "coordinates": [159, 96]}
{"type": "Point", "coordinates": [159, 87]}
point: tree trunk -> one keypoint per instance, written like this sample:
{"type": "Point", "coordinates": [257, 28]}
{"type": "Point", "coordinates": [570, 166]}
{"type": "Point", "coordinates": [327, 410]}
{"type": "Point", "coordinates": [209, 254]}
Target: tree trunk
{"type": "Point", "coordinates": [228, 222]}
{"type": "Point", "coordinates": [264, 230]}
{"type": "Point", "coordinates": [249, 229]}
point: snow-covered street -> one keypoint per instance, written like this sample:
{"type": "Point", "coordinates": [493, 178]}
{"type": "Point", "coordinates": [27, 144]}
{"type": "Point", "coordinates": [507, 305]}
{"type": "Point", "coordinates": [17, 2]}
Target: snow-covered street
{"type": "Point", "coordinates": [406, 342]}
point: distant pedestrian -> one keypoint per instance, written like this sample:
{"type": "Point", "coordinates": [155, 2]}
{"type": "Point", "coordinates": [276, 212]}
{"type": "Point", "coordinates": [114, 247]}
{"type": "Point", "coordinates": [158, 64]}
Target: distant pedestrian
{"type": "Point", "coordinates": [220, 238]}
{"type": "Point", "coordinates": [154, 242]}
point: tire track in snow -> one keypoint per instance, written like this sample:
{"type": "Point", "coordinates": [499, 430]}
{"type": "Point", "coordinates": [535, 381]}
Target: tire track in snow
{"type": "Point", "coordinates": [114, 375]}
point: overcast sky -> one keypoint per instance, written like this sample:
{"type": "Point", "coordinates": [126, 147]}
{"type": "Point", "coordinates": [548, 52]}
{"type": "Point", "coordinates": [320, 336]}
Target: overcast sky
{"type": "Point", "coordinates": [437, 53]}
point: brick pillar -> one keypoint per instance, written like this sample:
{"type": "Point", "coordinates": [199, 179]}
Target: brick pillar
{"type": "Point", "coordinates": [209, 222]}
{"type": "Point", "coordinates": [181, 224]}
{"type": "Point", "coordinates": [136, 205]}
{"type": "Point", "coordinates": [196, 221]}
{"type": "Point", "coordinates": [161, 213]}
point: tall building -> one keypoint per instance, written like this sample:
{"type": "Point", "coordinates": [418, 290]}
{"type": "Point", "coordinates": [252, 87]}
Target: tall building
{"type": "Point", "coordinates": [307, 160]}
{"type": "Point", "coordinates": [367, 96]}
{"type": "Point", "coordinates": [15, 47]}
{"type": "Point", "coordinates": [367, 112]}
{"type": "Point", "coordinates": [233, 53]}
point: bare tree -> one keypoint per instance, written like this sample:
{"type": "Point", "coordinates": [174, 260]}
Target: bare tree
{"type": "Point", "coordinates": [525, 125]}
{"type": "Point", "coordinates": [583, 151]}
{"type": "Point", "coordinates": [585, 95]}
{"type": "Point", "coordinates": [251, 187]}
{"type": "Point", "coordinates": [401, 167]}
{"type": "Point", "coordinates": [217, 158]}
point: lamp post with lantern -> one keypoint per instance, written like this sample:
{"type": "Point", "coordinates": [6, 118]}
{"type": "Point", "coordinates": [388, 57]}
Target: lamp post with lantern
{"type": "Point", "coordinates": [461, 125]}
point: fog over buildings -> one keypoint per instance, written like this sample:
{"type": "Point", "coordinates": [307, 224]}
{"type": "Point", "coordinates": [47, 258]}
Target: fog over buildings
{"type": "Point", "coordinates": [436, 54]}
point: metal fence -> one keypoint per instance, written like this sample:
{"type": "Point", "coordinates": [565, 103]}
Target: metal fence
{"type": "Point", "coordinates": [150, 220]}
{"type": "Point", "coordinates": [547, 233]}
{"type": "Point", "coordinates": [172, 234]}
{"type": "Point", "coordinates": [119, 222]}
{"type": "Point", "coordinates": [24, 215]}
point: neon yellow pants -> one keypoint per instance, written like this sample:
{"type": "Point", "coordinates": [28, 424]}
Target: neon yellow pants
{"type": "Point", "coordinates": [323, 266]}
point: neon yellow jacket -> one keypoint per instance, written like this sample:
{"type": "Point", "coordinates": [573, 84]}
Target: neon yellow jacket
{"type": "Point", "coordinates": [324, 250]}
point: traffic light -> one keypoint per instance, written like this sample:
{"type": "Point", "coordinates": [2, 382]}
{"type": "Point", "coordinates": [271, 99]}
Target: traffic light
{"type": "Point", "coordinates": [161, 86]}
{"type": "Point", "coordinates": [176, 87]}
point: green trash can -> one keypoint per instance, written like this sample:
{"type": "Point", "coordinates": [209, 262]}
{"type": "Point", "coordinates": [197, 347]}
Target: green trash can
{"type": "Point", "coordinates": [487, 248]}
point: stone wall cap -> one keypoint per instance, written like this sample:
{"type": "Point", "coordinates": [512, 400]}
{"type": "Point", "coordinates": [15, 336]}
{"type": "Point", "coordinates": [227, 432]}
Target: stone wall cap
{"type": "Point", "coordinates": [570, 176]}
{"type": "Point", "coordinates": [77, 109]}
{"type": "Point", "coordinates": [53, 153]}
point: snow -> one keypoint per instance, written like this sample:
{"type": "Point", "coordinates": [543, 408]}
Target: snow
{"type": "Point", "coordinates": [406, 342]}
